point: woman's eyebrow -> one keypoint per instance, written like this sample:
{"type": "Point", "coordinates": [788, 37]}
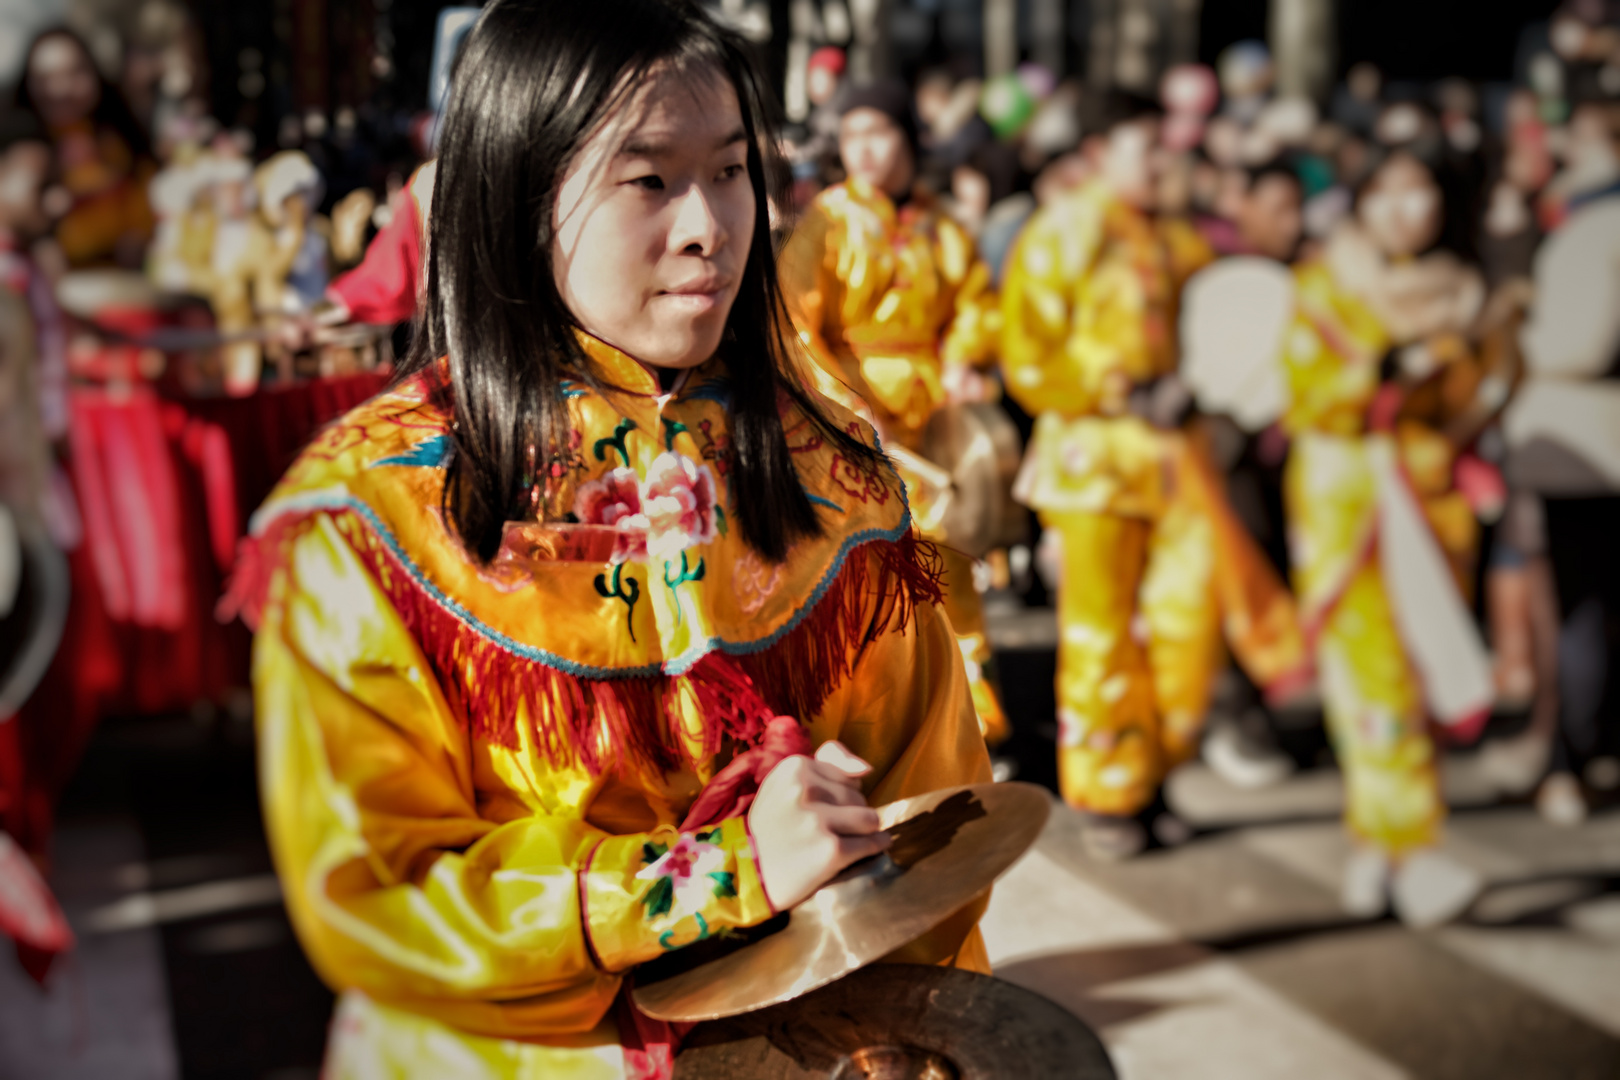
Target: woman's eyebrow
{"type": "Point", "coordinates": [660, 147]}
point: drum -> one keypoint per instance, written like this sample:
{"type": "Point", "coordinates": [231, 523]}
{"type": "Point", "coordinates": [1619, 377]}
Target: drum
{"type": "Point", "coordinates": [978, 450]}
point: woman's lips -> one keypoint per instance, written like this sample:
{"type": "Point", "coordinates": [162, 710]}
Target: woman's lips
{"type": "Point", "coordinates": [699, 296]}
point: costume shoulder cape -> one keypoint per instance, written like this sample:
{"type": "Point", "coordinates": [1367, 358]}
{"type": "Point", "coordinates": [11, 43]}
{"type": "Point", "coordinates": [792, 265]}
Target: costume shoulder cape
{"type": "Point", "coordinates": [600, 628]}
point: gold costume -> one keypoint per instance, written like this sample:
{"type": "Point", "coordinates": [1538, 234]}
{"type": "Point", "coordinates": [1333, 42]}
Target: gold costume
{"type": "Point", "coordinates": [886, 300]}
{"type": "Point", "coordinates": [1156, 567]}
{"type": "Point", "coordinates": [474, 775]}
{"type": "Point", "coordinates": [1371, 693]}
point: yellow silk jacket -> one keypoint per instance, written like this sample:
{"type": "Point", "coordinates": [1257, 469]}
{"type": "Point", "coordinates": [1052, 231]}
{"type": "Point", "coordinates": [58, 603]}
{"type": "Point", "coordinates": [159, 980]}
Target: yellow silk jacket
{"type": "Point", "coordinates": [1088, 313]}
{"type": "Point", "coordinates": [473, 774]}
{"type": "Point", "coordinates": [1088, 305]}
{"type": "Point", "coordinates": [884, 298]}
{"type": "Point", "coordinates": [1332, 357]}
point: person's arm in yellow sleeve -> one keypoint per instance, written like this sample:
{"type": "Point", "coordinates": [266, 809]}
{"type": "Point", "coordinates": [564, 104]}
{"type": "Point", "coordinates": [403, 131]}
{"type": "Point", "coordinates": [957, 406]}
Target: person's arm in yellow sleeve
{"type": "Point", "coordinates": [396, 885]}
{"type": "Point", "coordinates": [973, 332]}
{"type": "Point", "coordinates": [1037, 309]}
{"type": "Point", "coordinates": [907, 710]}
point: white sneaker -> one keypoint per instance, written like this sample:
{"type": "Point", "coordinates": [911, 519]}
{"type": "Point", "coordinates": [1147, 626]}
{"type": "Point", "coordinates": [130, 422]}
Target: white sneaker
{"type": "Point", "coordinates": [1364, 889]}
{"type": "Point", "coordinates": [1240, 761]}
{"type": "Point", "coordinates": [1559, 800]}
{"type": "Point", "coordinates": [1430, 889]}
{"type": "Point", "coordinates": [1515, 766]}
{"type": "Point", "coordinates": [1112, 839]}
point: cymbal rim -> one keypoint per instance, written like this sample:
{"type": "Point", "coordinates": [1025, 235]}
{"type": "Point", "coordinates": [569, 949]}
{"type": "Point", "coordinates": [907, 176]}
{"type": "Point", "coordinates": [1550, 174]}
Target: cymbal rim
{"type": "Point", "coordinates": [849, 923]}
{"type": "Point", "coordinates": [982, 1026]}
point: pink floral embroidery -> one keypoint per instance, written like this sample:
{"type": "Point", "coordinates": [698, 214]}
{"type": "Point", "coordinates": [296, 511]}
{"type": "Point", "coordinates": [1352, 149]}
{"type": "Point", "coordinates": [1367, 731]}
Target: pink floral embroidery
{"type": "Point", "coordinates": [615, 499]}
{"type": "Point", "coordinates": [754, 580]}
{"type": "Point", "coordinates": [679, 503]}
{"type": "Point", "coordinates": [686, 876]}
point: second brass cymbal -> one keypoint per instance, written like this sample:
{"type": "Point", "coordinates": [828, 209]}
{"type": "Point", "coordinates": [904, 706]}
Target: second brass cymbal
{"type": "Point", "coordinates": [949, 847]}
{"type": "Point", "coordinates": [900, 1022]}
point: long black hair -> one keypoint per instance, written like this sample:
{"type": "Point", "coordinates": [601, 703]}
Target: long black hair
{"type": "Point", "coordinates": [534, 81]}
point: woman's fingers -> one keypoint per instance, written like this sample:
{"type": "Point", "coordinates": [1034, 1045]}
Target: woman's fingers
{"type": "Point", "coordinates": [849, 820]}
{"type": "Point", "coordinates": [837, 756]}
{"type": "Point", "coordinates": [836, 789]}
{"type": "Point", "coordinates": [855, 848]}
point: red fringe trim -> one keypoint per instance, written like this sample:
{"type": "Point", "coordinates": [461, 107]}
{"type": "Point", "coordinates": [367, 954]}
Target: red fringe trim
{"type": "Point", "coordinates": [604, 723]}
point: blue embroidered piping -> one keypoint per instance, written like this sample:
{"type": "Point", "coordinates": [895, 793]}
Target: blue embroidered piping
{"type": "Point", "coordinates": [676, 667]}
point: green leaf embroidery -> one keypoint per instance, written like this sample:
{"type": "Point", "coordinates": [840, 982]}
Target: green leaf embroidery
{"type": "Point", "coordinates": [626, 426]}
{"type": "Point", "coordinates": [725, 884]}
{"type": "Point", "coordinates": [672, 428]}
{"type": "Point", "coordinates": [710, 836]}
{"type": "Point", "coordinates": [675, 580]}
{"type": "Point", "coordinates": [651, 853]}
{"type": "Point", "coordinates": [616, 589]}
{"type": "Point", "coordinates": [668, 936]}
{"type": "Point", "coordinates": [660, 898]}
{"type": "Point", "coordinates": [720, 521]}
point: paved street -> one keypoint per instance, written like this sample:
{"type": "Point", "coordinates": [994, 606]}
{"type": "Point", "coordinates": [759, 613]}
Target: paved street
{"type": "Point", "coordinates": [1224, 957]}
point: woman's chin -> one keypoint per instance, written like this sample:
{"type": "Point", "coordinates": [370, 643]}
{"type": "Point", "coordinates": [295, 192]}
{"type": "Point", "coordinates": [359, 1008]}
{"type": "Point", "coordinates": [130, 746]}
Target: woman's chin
{"type": "Point", "coordinates": [684, 344]}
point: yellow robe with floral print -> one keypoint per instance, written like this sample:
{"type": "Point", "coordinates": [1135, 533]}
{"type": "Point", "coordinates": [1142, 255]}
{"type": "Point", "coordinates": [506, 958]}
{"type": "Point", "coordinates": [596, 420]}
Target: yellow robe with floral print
{"type": "Point", "coordinates": [884, 300]}
{"type": "Point", "coordinates": [474, 775]}
{"type": "Point", "coordinates": [1155, 564]}
{"type": "Point", "coordinates": [1371, 693]}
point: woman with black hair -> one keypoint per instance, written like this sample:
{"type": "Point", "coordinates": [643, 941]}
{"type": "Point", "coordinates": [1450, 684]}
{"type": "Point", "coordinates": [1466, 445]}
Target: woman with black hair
{"type": "Point", "coordinates": [533, 625]}
{"type": "Point", "coordinates": [100, 155]}
{"type": "Point", "coordinates": [1381, 542]}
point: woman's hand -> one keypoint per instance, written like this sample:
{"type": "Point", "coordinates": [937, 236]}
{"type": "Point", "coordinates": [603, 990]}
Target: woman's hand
{"type": "Point", "coordinates": [809, 821]}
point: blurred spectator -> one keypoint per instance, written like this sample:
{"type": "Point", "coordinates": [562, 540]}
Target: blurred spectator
{"type": "Point", "coordinates": [100, 162]}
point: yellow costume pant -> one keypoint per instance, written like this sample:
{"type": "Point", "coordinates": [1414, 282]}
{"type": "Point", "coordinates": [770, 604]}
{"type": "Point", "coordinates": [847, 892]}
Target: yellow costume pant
{"type": "Point", "coordinates": [1141, 614]}
{"type": "Point", "coordinates": [1370, 692]}
{"type": "Point", "coordinates": [1375, 717]}
{"type": "Point", "coordinates": [1137, 652]}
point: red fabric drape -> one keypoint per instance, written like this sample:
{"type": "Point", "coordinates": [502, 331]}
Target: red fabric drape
{"type": "Point", "coordinates": [164, 488]}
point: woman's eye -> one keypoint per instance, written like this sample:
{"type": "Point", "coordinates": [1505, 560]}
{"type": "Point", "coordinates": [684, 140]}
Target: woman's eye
{"type": "Point", "coordinates": [649, 183]}
{"type": "Point", "coordinates": [731, 172]}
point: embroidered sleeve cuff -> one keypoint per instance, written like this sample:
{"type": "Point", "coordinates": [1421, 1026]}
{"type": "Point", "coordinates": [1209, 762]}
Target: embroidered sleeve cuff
{"type": "Point", "coordinates": [646, 894]}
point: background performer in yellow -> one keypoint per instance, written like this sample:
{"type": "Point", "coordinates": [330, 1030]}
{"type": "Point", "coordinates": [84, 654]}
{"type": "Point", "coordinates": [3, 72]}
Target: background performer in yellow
{"type": "Point", "coordinates": [515, 613]}
{"type": "Point", "coordinates": [1382, 544]}
{"type": "Point", "coordinates": [888, 294]}
{"type": "Point", "coordinates": [1155, 566]}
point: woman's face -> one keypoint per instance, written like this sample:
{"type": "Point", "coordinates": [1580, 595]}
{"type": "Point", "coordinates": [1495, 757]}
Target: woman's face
{"type": "Point", "coordinates": [62, 81]}
{"type": "Point", "coordinates": [654, 220]}
{"type": "Point", "coordinates": [874, 149]}
{"type": "Point", "coordinates": [1401, 208]}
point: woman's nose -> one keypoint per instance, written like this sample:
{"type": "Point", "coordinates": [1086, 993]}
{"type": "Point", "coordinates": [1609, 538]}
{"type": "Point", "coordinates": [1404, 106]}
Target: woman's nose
{"type": "Point", "coordinates": [697, 230]}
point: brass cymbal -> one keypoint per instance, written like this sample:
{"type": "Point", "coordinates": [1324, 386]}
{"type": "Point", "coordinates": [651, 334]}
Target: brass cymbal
{"type": "Point", "coordinates": [900, 1022]}
{"type": "Point", "coordinates": [949, 847]}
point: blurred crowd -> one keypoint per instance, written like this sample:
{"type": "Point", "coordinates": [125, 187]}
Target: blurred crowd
{"type": "Point", "coordinates": [1431, 262]}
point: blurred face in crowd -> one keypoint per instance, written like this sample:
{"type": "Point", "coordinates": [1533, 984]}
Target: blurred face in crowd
{"type": "Point", "coordinates": [971, 190]}
{"type": "Point", "coordinates": [654, 221]}
{"type": "Point", "coordinates": [1130, 165]}
{"type": "Point", "coordinates": [821, 83]}
{"type": "Point", "coordinates": [1400, 207]}
{"type": "Point", "coordinates": [875, 150]}
{"type": "Point", "coordinates": [1270, 217]}
{"type": "Point", "coordinates": [933, 98]}
{"type": "Point", "coordinates": [62, 80]}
